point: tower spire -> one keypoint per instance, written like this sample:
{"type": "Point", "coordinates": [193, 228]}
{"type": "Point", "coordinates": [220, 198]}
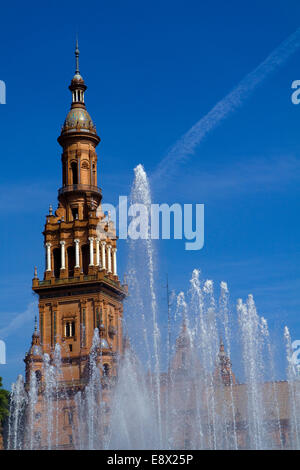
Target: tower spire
{"type": "Point", "coordinates": [77, 57]}
{"type": "Point", "coordinates": [223, 371]}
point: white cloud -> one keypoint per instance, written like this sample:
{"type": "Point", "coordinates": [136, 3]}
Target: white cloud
{"type": "Point", "coordinates": [187, 144]}
{"type": "Point", "coordinates": [19, 320]}
{"type": "Point", "coordinates": [251, 176]}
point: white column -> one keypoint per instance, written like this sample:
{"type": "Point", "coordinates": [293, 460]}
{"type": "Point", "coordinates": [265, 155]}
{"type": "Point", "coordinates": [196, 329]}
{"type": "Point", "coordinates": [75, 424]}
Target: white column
{"type": "Point", "coordinates": [109, 258]}
{"type": "Point", "coordinates": [91, 239]}
{"type": "Point", "coordinates": [48, 256]}
{"type": "Point", "coordinates": [77, 261]}
{"type": "Point", "coordinates": [63, 256]}
{"type": "Point", "coordinates": [103, 258]}
{"type": "Point", "coordinates": [114, 250]}
{"type": "Point", "coordinates": [97, 252]}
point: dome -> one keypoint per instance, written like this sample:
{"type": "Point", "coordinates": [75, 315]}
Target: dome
{"type": "Point", "coordinates": [77, 77]}
{"type": "Point", "coordinates": [78, 122]}
{"type": "Point", "coordinates": [79, 118]}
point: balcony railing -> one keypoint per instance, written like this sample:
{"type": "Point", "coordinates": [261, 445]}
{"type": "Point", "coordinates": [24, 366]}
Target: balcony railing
{"type": "Point", "coordinates": [76, 279]}
{"type": "Point", "coordinates": [79, 187]}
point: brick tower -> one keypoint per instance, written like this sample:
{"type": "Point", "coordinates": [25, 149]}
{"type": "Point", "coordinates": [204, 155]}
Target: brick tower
{"type": "Point", "coordinates": [80, 290]}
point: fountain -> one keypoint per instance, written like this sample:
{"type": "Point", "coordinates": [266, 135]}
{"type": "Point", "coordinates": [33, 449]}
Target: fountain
{"type": "Point", "coordinates": [174, 390]}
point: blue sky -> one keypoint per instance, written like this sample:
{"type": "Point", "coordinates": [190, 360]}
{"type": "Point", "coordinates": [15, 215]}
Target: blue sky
{"type": "Point", "coordinates": [153, 69]}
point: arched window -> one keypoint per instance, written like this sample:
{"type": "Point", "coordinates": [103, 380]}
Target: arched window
{"type": "Point", "coordinates": [71, 260]}
{"type": "Point", "coordinates": [57, 262]}
{"type": "Point", "coordinates": [106, 370]}
{"type": "Point", "coordinates": [85, 178]}
{"type": "Point", "coordinates": [69, 416]}
{"type": "Point", "coordinates": [74, 170]}
{"type": "Point", "coordinates": [85, 250]}
{"type": "Point", "coordinates": [75, 213]}
{"type": "Point", "coordinates": [70, 329]}
{"type": "Point", "coordinates": [38, 375]}
{"type": "Point", "coordinates": [94, 174]}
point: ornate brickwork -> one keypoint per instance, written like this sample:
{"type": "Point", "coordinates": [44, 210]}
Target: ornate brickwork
{"type": "Point", "coordinates": [80, 289]}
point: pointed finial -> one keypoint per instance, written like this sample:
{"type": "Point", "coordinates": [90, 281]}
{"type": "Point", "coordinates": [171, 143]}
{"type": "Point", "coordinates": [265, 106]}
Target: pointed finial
{"type": "Point", "coordinates": [77, 57]}
{"type": "Point", "coordinates": [35, 272]}
{"type": "Point", "coordinates": [36, 335]}
{"type": "Point", "coordinates": [50, 210]}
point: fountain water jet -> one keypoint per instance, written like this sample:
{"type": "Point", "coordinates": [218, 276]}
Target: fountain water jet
{"type": "Point", "coordinates": [182, 396]}
{"type": "Point", "coordinates": [18, 401]}
{"type": "Point", "coordinates": [142, 257]}
{"type": "Point", "coordinates": [294, 391]}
